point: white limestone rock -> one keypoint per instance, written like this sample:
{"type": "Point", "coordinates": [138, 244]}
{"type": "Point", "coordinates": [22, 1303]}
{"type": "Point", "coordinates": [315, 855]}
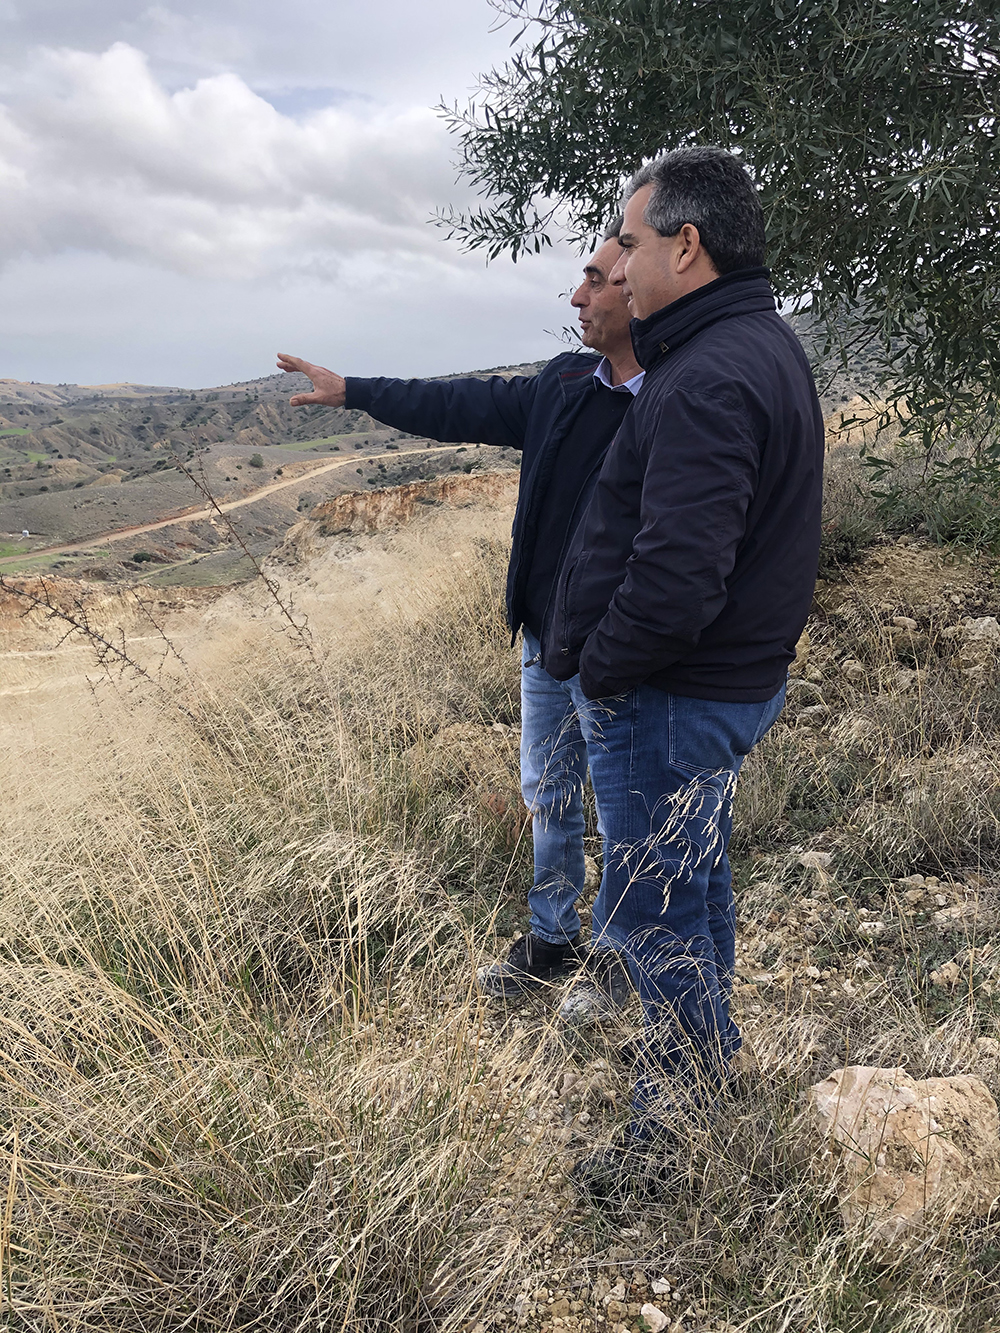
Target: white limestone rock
{"type": "Point", "coordinates": [906, 1154]}
{"type": "Point", "coordinates": [655, 1320]}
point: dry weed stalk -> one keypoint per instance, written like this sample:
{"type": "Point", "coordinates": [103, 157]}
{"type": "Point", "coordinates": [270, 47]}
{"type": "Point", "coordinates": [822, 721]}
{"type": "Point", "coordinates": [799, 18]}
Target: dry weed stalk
{"type": "Point", "coordinates": [111, 654]}
{"type": "Point", "coordinates": [245, 1081]}
{"type": "Point", "coordinates": [297, 626]}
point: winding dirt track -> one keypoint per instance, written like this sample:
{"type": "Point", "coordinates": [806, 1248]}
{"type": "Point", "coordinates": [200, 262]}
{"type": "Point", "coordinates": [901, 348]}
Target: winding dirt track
{"type": "Point", "coordinates": [209, 511]}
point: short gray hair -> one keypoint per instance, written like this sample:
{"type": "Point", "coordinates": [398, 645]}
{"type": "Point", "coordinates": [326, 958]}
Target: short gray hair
{"type": "Point", "coordinates": [708, 188]}
{"type": "Point", "coordinates": [614, 228]}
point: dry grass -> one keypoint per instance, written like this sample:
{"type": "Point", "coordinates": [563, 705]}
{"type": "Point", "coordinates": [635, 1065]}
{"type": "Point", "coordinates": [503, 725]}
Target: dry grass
{"type": "Point", "coordinates": [245, 1082]}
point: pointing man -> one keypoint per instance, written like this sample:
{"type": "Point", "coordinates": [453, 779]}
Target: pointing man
{"type": "Point", "coordinates": [563, 420]}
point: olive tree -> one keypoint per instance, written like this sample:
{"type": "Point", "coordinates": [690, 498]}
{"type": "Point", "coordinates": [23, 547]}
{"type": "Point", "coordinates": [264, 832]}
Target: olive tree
{"type": "Point", "coordinates": [870, 127]}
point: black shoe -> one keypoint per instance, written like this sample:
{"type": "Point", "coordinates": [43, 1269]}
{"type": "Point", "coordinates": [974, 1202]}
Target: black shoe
{"type": "Point", "coordinates": [627, 1170]}
{"type": "Point", "coordinates": [531, 963]}
{"type": "Point", "coordinates": [601, 990]}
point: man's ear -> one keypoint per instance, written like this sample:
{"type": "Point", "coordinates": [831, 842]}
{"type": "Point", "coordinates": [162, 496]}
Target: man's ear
{"type": "Point", "coordinates": [689, 246]}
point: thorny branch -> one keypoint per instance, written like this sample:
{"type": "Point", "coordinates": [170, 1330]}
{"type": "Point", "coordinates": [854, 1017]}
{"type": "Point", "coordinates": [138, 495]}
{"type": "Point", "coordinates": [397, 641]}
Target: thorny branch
{"type": "Point", "coordinates": [286, 609]}
{"type": "Point", "coordinates": [110, 655]}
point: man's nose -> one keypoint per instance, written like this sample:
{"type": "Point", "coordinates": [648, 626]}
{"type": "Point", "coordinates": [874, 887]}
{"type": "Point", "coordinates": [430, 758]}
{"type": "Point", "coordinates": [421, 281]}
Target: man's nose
{"type": "Point", "coordinates": [617, 274]}
{"type": "Point", "coordinates": [578, 297]}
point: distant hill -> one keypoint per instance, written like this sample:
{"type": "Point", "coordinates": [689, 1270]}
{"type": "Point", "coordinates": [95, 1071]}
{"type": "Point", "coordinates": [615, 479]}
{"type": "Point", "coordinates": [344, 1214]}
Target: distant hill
{"type": "Point", "coordinates": [28, 391]}
{"type": "Point", "coordinates": [56, 437]}
{"type": "Point", "coordinates": [77, 461]}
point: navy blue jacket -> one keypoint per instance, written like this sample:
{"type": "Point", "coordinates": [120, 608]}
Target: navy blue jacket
{"type": "Point", "coordinates": [532, 414]}
{"type": "Point", "coordinates": [694, 566]}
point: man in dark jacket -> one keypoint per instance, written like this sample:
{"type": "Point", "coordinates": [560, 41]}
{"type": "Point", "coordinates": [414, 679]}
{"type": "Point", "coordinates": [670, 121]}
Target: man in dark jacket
{"type": "Point", "coordinates": [563, 420]}
{"type": "Point", "coordinates": [679, 603]}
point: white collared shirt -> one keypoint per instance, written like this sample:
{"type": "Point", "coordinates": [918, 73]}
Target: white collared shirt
{"type": "Point", "coordinates": [603, 373]}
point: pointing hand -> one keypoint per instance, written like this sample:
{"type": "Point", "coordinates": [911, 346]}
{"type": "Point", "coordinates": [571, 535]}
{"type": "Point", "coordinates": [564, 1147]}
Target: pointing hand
{"type": "Point", "coordinates": [329, 388]}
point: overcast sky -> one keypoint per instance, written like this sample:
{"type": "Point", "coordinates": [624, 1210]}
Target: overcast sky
{"type": "Point", "coordinates": [187, 188]}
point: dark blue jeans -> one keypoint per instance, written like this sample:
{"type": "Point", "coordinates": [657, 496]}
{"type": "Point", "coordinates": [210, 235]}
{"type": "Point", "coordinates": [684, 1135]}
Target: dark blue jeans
{"type": "Point", "coordinates": [664, 770]}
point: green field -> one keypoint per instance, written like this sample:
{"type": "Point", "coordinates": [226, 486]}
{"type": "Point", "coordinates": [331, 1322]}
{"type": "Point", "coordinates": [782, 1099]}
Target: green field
{"type": "Point", "coordinates": [12, 456]}
{"type": "Point", "coordinates": [28, 564]}
{"type": "Point", "coordinates": [211, 570]}
{"type": "Point", "coordinates": [46, 562]}
{"type": "Point", "coordinates": [15, 430]}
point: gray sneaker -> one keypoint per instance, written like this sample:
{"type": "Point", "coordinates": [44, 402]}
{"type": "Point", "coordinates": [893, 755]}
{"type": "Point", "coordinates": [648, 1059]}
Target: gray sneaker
{"type": "Point", "coordinates": [531, 964]}
{"type": "Point", "coordinates": [601, 989]}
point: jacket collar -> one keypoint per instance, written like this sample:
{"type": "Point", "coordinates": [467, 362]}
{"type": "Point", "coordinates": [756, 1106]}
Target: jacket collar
{"type": "Point", "coordinates": [747, 291]}
{"type": "Point", "coordinates": [578, 376]}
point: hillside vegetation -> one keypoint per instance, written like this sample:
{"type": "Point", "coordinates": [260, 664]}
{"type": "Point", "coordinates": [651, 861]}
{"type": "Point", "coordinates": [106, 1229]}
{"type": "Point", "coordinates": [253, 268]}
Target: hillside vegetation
{"type": "Point", "coordinates": [245, 1079]}
{"type": "Point", "coordinates": [80, 462]}
{"type": "Point", "coordinates": [55, 436]}
{"type": "Point", "coordinates": [122, 425]}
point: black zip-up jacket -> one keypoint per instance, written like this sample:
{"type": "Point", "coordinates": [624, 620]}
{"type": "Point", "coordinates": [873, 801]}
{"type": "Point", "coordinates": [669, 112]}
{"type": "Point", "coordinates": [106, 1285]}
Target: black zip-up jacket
{"type": "Point", "coordinates": [694, 566]}
{"type": "Point", "coordinates": [530, 413]}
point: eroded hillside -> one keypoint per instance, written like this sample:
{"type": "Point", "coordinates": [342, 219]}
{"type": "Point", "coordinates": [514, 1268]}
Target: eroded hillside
{"type": "Point", "coordinates": [80, 462]}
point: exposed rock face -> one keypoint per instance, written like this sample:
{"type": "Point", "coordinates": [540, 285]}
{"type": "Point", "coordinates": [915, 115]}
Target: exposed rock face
{"type": "Point", "coordinates": [27, 604]}
{"type": "Point", "coordinates": [906, 1153]}
{"type": "Point", "coordinates": [376, 511]}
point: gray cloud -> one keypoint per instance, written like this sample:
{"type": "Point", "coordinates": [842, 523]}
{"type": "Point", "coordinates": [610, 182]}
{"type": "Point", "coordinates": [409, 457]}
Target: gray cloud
{"type": "Point", "coordinates": [186, 186]}
{"type": "Point", "coordinates": [389, 50]}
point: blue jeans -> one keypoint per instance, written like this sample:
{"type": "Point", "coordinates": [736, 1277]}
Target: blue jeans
{"type": "Point", "coordinates": [553, 773]}
{"type": "Point", "coordinates": [664, 769]}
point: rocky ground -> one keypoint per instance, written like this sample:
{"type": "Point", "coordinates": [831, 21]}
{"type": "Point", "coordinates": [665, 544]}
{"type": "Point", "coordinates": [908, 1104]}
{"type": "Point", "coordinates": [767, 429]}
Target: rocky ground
{"type": "Point", "coordinates": [867, 858]}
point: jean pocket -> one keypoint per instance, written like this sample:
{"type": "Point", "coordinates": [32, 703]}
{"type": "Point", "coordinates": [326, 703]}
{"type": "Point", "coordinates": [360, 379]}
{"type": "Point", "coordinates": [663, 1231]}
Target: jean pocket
{"type": "Point", "coordinates": [708, 736]}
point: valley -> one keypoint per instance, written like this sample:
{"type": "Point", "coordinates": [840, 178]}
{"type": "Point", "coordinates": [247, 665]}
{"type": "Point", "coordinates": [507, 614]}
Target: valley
{"type": "Point", "coordinates": [91, 472]}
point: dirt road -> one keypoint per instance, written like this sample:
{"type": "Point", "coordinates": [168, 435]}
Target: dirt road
{"type": "Point", "coordinates": [190, 515]}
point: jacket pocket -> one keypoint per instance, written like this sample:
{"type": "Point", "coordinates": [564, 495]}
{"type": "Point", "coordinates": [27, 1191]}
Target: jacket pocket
{"type": "Point", "coordinates": [571, 615]}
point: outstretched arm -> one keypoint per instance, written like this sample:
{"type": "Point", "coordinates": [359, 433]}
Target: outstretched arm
{"type": "Point", "coordinates": [329, 388]}
{"type": "Point", "coordinates": [490, 411]}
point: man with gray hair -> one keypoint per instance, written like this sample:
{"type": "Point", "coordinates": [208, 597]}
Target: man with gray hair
{"type": "Point", "coordinates": [679, 604]}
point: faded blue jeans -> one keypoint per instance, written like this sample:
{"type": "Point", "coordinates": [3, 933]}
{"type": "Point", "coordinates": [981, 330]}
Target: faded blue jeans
{"type": "Point", "coordinates": [553, 774]}
{"type": "Point", "coordinates": [664, 769]}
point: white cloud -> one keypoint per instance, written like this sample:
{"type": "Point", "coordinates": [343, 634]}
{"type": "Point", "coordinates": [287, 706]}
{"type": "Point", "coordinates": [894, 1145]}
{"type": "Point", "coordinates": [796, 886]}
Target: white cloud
{"type": "Point", "coordinates": [164, 221]}
{"type": "Point", "coordinates": [210, 179]}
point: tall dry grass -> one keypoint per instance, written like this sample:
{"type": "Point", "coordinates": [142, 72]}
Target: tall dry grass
{"type": "Point", "coordinates": [245, 1079]}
